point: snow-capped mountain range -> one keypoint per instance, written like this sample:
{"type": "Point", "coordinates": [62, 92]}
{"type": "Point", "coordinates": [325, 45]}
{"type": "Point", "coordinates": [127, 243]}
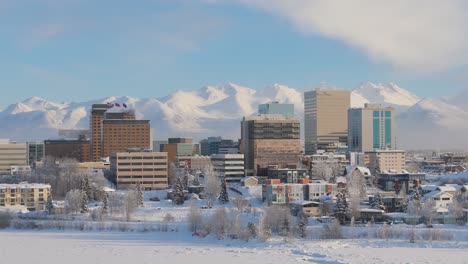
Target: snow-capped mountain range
{"type": "Point", "coordinates": [217, 111]}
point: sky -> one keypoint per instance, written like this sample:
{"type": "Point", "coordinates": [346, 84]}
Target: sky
{"type": "Point", "coordinates": [77, 50]}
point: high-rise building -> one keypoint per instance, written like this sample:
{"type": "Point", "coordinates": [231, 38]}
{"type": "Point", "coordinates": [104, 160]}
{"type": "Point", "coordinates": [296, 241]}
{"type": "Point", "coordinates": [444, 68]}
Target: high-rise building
{"type": "Point", "coordinates": [121, 134]}
{"type": "Point", "coordinates": [275, 108]}
{"type": "Point", "coordinates": [11, 154]}
{"type": "Point", "coordinates": [147, 167]}
{"type": "Point", "coordinates": [386, 161]}
{"type": "Point", "coordinates": [35, 152]}
{"type": "Point", "coordinates": [325, 119]}
{"type": "Point", "coordinates": [270, 140]}
{"type": "Point", "coordinates": [371, 127]}
{"type": "Point", "coordinates": [229, 167]}
{"type": "Point", "coordinates": [97, 115]}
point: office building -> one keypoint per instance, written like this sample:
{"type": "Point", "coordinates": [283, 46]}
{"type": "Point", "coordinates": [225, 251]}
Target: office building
{"type": "Point", "coordinates": [121, 134]}
{"type": "Point", "coordinates": [35, 152]}
{"type": "Point", "coordinates": [31, 195]}
{"type": "Point", "coordinates": [218, 145]}
{"type": "Point", "coordinates": [74, 133]}
{"type": "Point", "coordinates": [77, 149]}
{"type": "Point", "coordinates": [371, 127]}
{"type": "Point", "coordinates": [11, 154]}
{"type": "Point", "coordinates": [270, 140]}
{"type": "Point", "coordinates": [229, 167]}
{"type": "Point", "coordinates": [386, 161]}
{"type": "Point", "coordinates": [275, 108]}
{"type": "Point", "coordinates": [325, 119]}
{"type": "Point", "coordinates": [180, 140]}
{"type": "Point", "coordinates": [158, 145]}
{"type": "Point", "coordinates": [148, 168]}
{"type": "Point", "coordinates": [97, 116]}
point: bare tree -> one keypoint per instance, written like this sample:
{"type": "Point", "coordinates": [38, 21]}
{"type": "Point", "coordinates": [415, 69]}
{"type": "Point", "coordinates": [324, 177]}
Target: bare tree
{"type": "Point", "coordinates": [355, 191]}
{"type": "Point", "coordinates": [195, 218]}
{"type": "Point", "coordinates": [219, 223]}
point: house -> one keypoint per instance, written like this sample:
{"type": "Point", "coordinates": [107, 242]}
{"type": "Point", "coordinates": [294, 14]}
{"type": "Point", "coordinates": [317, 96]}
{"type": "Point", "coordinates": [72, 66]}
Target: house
{"type": "Point", "coordinates": [309, 208]}
{"type": "Point", "coordinates": [440, 199]}
{"type": "Point", "coordinates": [249, 181]}
{"type": "Point", "coordinates": [369, 214]}
{"type": "Point", "coordinates": [393, 204]}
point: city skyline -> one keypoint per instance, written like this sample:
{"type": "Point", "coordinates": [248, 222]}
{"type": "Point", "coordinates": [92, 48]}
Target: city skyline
{"type": "Point", "coordinates": [60, 51]}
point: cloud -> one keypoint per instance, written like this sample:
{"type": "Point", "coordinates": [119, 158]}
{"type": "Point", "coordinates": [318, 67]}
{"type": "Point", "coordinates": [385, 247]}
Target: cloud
{"type": "Point", "coordinates": [412, 35]}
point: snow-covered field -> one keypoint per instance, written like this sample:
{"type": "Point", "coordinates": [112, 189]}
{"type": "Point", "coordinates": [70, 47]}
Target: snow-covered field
{"type": "Point", "coordinates": [82, 247]}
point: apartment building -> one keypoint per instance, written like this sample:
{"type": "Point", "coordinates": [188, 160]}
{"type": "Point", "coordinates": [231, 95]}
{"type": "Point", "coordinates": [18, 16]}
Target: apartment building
{"type": "Point", "coordinates": [31, 195]}
{"type": "Point", "coordinates": [148, 168]}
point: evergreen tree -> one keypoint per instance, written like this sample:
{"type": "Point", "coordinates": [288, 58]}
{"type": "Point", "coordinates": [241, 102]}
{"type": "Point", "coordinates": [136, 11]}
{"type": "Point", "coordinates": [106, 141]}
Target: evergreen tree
{"type": "Point", "coordinates": [302, 224]}
{"type": "Point", "coordinates": [341, 209]}
{"type": "Point", "coordinates": [185, 180]}
{"type": "Point", "coordinates": [139, 194]}
{"type": "Point", "coordinates": [252, 229]}
{"type": "Point", "coordinates": [84, 198]}
{"type": "Point", "coordinates": [416, 195]}
{"type": "Point", "coordinates": [178, 196]}
{"type": "Point", "coordinates": [223, 196]}
{"type": "Point", "coordinates": [106, 202]}
{"type": "Point", "coordinates": [196, 181]}
{"type": "Point", "coordinates": [87, 187]}
{"type": "Point", "coordinates": [377, 202]}
{"type": "Point", "coordinates": [49, 205]}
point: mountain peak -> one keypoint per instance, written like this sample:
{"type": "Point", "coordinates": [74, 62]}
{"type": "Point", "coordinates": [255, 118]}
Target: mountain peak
{"type": "Point", "coordinates": [389, 93]}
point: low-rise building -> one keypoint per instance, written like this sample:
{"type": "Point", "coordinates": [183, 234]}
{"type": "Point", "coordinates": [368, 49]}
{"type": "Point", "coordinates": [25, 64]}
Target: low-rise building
{"type": "Point", "coordinates": [386, 161]}
{"type": "Point", "coordinates": [396, 181]}
{"type": "Point", "coordinates": [33, 196]}
{"type": "Point", "coordinates": [439, 198]}
{"type": "Point", "coordinates": [282, 193]}
{"type": "Point", "coordinates": [287, 175]}
{"type": "Point", "coordinates": [148, 168]}
{"type": "Point", "coordinates": [229, 166]}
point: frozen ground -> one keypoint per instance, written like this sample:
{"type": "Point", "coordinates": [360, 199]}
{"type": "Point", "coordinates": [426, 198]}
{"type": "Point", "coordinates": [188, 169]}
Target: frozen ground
{"type": "Point", "coordinates": [81, 247]}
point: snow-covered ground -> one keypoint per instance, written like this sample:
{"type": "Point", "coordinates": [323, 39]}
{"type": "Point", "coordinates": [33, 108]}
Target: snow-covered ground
{"type": "Point", "coordinates": [81, 247]}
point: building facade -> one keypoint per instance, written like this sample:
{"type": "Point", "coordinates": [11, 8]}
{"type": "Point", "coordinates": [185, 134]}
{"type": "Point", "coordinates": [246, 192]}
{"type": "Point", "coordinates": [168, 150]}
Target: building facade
{"type": "Point", "coordinates": [97, 116]}
{"type": "Point", "coordinates": [121, 134]}
{"type": "Point", "coordinates": [275, 108]}
{"type": "Point", "coordinates": [77, 149]}
{"type": "Point", "coordinates": [218, 145]}
{"type": "Point", "coordinates": [200, 163]}
{"type": "Point", "coordinates": [229, 166]}
{"type": "Point", "coordinates": [371, 127]}
{"type": "Point", "coordinates": [325, 119]}
{"type": "Point", "coordinates": [386, 161]}
{"type": "Point", "coordinates": [11, 154]}
{"type": "Point", "coordinates": [148, 168]}
{"type": "Point", "coordinates": [35, 152]}
{"type": "Point", "coordinates": [270, 140]}
{"type": "Point", "coordinates": [31, 195]}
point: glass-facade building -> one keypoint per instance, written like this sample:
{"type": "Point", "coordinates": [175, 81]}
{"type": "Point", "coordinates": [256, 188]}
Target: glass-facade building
{"type": "Point", "coordinates": [275, 108]}
{"type": "Point", "coordinates": [371, 128]}
{"type": "Point", "coordinates": [35, 152]}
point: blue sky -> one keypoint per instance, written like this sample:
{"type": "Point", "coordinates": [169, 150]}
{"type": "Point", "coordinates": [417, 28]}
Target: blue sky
{"type": "Point", "coordinates": [74, 50]}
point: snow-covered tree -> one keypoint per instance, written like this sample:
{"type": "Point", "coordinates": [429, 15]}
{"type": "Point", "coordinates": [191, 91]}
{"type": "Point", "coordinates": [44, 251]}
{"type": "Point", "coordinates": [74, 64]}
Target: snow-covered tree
{"type": "Point", "coordinates": [185, 180]}
{"type": "Point", "coordinates": [377, 202]}
{"type": "Point", "coordinates": [196, 180]}
{"type": "Point", "coordinates": [252, 229]}
{"type": "Point", "coordinates": [49, 205]}
{"type": "Point", "coordinates": [195, 218]}
{"type": "Point", "coordinates": [178, 196]}
{"type": "Point", "coordinates": [87, 187]}
{"type": "Point", "coordinates": [219, 223]}
{"type": "Point", "coordinates": [212, 186]}
{"type": "Point", "coordinates": [105, 202]}
{"type": "Point", "coordinates": [355, 182]}
{"type": "Point", "coordinates": [84, 200]}
{"type": "Point", "coordinates": [223, 196]}
{"type": "Point", "coordinates": [302, 222]}
{"type": "Point", "coordinates": [73, 201]}
{"type": "Point", "coordinates": [139, 194]}
{"type": "Point", "coordinates": [341, 209]}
